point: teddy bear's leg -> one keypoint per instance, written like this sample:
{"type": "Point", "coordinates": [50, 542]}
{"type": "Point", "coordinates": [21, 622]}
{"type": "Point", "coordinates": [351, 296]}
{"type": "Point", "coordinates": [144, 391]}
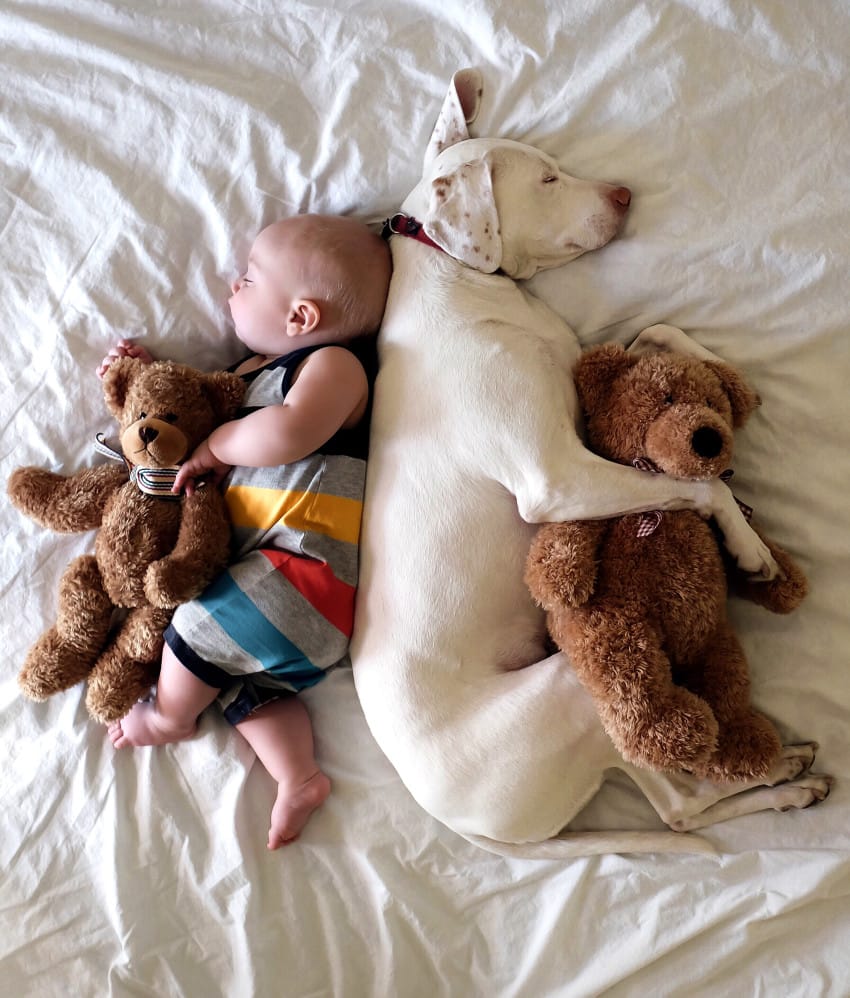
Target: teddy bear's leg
{"type": "Point", "coordinates": [782, 594]}
{"type": "Point", "coordinates": [65, 654]}
{"type": "Point", "coordinates": [748, 744]}
{"type": "Point", "coordinates": [128, 668]}
{"type": "Point", "coordinates": [654, 723]}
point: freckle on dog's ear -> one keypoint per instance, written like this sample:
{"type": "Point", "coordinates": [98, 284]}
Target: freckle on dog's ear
{"type": "Point", "coordinates": [460, 107]}
{"type": "Point", "coordinates": [461, 216]}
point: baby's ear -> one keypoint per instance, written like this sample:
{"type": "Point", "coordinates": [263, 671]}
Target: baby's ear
{"type": "Point", "coordinates": [596, 372]}
{"type": "Point", "coordinates": [744, 400]}
{"type": "Point", "coordinates": [117, 381]}
{"type": "Point", "coordinates": [225, 392]}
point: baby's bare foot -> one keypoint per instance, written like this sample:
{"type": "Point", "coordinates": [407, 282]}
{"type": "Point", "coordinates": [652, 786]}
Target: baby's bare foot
{"type": "Point", "coordinates": [144, 726]}
{"type": "Point", "coordinates": [294, 806]}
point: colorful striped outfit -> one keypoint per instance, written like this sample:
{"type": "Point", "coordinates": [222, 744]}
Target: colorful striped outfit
{"type": "Point", "coordinates": [281, 615]}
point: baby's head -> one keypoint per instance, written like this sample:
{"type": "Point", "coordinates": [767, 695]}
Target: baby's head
{"type": "Point", "coordinates": [311, 279]}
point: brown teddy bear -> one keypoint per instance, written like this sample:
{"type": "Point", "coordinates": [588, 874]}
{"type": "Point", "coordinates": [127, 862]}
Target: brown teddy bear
{"type": "Point", "coordinates": [153, 549]}
{"type": "Point", "coordinates": [638, 603]}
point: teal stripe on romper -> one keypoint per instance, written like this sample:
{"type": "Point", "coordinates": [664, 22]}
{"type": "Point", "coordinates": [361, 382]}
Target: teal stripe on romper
{"type": "Point", "coordinates": [238, 616]}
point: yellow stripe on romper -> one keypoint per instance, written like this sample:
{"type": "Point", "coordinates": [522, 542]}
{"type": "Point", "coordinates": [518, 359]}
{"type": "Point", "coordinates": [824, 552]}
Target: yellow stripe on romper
{"type": "Point", "coordinates": [333, 516]}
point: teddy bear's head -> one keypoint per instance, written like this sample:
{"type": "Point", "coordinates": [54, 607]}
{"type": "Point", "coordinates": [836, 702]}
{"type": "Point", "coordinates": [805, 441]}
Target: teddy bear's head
{"type": "Point", "coordinates": [164, 410]}
{"type": "Point", "coordinates": [678, 412]}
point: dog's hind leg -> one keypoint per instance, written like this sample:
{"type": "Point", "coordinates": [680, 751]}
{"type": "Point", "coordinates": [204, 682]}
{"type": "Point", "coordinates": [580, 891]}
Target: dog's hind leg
{"type": "Point", "coordinates": [685, 803]}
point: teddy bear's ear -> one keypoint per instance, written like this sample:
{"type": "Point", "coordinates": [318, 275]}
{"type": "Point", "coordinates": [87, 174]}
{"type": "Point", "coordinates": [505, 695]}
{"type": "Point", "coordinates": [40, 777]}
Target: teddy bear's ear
{"type": "Point", "coordinates": [116, 382]}
{"type": "Point", "coordinates": [742, 397]}
{"type": "Point", "coordinates": [225, 392]}
{"type": "Point", "coordinates": [595, 373]}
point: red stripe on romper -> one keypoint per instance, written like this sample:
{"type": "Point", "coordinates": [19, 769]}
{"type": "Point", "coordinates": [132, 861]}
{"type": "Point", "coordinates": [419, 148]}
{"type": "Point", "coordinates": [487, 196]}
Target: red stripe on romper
{"type": "Point", "coordinates": [319, 586]}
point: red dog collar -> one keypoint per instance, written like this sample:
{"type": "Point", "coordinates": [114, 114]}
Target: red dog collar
{"type": "Point", "coordinates": [404, 225]}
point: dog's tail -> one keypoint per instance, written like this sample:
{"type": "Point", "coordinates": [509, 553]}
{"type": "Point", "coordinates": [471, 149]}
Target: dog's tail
{"type": "Point", "coordinates": [573, 845]}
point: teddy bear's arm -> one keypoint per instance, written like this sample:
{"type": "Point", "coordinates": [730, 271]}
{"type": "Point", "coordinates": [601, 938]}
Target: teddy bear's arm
{"type": "Point", "coordinates": [67, 504]}
{"type": "Point", "coordinates": [782, 594]}
{"type": "Point", "coordinates": [562, 562]}
{"type": "Point", "coordinates": [201, 552]}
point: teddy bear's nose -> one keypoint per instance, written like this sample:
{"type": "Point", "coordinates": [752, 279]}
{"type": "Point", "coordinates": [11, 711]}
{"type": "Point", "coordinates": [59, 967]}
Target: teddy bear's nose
{"type": "Point", "coordinates": [148, 434]}
{"type": "Point", "coordinates": [707, 442]}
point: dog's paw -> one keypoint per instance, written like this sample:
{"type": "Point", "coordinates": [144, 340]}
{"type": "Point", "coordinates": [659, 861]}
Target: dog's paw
{"type": "Point", "coordinates": [808, 790]}
{"type": "Point", "coordinates": [792, 761]}
{"type": "Point", "coordinates": [750, 552]}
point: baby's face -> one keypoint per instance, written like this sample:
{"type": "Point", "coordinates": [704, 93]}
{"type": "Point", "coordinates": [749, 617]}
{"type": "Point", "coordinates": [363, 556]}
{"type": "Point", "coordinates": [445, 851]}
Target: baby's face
{"type": "Point", "coordinates": [261, 299]}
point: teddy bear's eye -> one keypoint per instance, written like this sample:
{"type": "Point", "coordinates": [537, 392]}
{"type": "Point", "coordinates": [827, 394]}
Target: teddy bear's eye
{"type": "Point", "coordinates": [170, 417]}
{"type": "Point", "coordinates": [668, 400]}
{"type": "Point", "coordinates": [142, 415]}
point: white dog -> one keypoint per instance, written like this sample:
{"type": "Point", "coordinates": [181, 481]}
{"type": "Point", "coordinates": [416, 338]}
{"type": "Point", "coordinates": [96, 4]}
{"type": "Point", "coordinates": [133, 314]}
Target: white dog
{"type": "Point", "coordinates": [474, 440]}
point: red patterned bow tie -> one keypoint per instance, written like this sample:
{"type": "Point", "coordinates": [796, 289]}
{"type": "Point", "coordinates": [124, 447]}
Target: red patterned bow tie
{"type": "Point", "coordinates": [650, 521]}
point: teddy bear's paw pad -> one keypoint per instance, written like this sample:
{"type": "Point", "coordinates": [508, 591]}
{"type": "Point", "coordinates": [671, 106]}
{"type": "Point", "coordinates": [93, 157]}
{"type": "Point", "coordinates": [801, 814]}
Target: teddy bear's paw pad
{"type": "Point", "coordinates": [35, 688]}
{"type": "Point", "coordinates": [52, 666]}
{"type": "Point", "coordinates": [683, 738]}
{"type": "Point", "coordinates": [107, 704]}
{"type": "Point", "coordinates": [746, 750]}
{"type": "Point", "coordinates": [168, 583]}
{"type": "Point", "coordinates": [117, 684]}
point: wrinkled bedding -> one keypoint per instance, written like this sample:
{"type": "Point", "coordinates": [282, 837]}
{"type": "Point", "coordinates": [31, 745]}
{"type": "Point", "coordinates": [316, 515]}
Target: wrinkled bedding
{"type": "Point", "coordinates": [141, 147]}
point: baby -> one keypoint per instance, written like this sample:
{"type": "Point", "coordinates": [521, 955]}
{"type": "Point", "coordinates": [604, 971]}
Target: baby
{"type": "Point", "coordinates": [281, 615]}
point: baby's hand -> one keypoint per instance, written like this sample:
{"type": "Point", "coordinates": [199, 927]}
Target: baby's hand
{"type": "Point", "coordinates": [123, 348]}
{"type": "Point", "coordinates": [201, 462]}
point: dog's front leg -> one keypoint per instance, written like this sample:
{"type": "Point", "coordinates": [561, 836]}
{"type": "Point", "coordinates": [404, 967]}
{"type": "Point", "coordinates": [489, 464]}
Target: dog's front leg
{"type": "Point", "coordinates": [748, 549]}
{"type": "Point", "coordinates": [582, 486]}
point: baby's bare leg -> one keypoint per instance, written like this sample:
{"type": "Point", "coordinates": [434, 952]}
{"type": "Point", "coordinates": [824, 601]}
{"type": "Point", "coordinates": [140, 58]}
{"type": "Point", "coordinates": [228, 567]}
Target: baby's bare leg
{"type": "Point", "coordinates": [281, 734]}
{"type": "Point", "coordinates": [172, 715]}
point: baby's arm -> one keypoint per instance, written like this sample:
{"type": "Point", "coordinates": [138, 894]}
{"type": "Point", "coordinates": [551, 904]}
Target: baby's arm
{"type": "Point", "coordinates": [330, 392]}
{"type": "Point", "coordinates": [123, 348]}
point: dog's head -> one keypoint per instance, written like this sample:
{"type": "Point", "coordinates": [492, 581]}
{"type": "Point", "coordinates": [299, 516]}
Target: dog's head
{"type": "Point", "coordinates": [497, 204]}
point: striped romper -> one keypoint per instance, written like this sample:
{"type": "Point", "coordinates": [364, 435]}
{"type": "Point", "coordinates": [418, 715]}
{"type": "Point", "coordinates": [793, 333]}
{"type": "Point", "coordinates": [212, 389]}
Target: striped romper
{"type": "Point", "coordinates": [282, 613]}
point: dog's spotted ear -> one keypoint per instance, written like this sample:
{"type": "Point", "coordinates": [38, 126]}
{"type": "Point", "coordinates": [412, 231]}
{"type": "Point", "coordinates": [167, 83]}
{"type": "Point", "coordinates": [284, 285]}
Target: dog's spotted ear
{"type": "Point", "coordinates": [459, 109]}
{"type": "Point", "coordinates": [462, 216]}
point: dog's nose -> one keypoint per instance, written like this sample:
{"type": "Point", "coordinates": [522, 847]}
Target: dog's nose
{"type": "Point", "coordinates": [707, 442]}
{"type": "Point", "coordinates": [620, 198]}
{"type": "Point", "coordinates": [148, 434]}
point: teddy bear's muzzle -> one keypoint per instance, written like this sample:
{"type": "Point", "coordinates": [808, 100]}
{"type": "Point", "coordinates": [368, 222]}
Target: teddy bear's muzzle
{"type": "Point", "coordinates": [154, 442]}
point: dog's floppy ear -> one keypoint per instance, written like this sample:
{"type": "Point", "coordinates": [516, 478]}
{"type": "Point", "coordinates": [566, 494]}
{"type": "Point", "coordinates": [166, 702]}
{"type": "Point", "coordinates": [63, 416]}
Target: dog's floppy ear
{"type": "Point", "coordinates": [742, 397]}
{"type": "Point", "coordinates": [459, 109]}
{"type": "Point", "coordinates": [462, 216]}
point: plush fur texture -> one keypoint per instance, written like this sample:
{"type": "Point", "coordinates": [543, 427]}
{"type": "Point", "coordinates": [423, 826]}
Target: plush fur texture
{"type": "Point", "coordinates": [151, 553]}
{"type": "Point", "coordinates": [643, 618]}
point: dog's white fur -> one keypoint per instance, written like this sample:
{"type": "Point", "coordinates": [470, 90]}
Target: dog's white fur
{"type": "Point", "coordinates": [474, 441]}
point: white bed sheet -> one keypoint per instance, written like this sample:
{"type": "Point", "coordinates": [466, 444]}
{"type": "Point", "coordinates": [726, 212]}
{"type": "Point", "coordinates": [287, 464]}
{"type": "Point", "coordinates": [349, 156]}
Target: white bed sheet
{"type": "Point", "coordinates": [142, 146]}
